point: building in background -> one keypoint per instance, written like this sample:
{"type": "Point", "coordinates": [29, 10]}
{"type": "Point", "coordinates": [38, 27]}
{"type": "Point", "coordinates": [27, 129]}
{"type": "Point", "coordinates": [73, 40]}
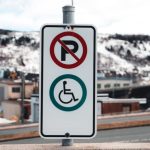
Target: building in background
{"type": "Point", "coordinates": [107, 105]}
{"type": "Point", "coordinates": [104, 83]}
{"type": "Point", "coordinates": [11, 90]}
{"type": "Point", "coordinates": [10, 98]}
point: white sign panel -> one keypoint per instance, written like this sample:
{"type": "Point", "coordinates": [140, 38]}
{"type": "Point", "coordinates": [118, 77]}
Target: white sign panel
{"type": "Point", "coordinates": [68, 81]}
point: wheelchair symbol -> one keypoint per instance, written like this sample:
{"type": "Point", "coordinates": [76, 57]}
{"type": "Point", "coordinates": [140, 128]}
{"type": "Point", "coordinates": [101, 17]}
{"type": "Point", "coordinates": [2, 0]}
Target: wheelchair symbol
{"type": "Point", "coordinates": [66, 95]}
{"type": "Point", "coordinates": [66, 91]}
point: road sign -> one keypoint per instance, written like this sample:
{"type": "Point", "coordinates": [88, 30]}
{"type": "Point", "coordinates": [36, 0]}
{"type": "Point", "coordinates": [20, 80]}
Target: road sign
{"type": "Point", "coordinates": [68, 81]}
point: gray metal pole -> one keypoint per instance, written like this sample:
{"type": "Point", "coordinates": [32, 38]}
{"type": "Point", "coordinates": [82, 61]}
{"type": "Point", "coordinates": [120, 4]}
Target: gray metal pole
{"type": "Point", "coordinates": [68, 14]}
{"type": "Point", "coordinates": [22, 97]}
{"type": "Point", "coordinates": [68, 18]}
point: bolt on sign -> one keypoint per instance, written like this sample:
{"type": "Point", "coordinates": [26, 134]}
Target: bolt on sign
{"type": "Point", "coordinates": [68, 81]}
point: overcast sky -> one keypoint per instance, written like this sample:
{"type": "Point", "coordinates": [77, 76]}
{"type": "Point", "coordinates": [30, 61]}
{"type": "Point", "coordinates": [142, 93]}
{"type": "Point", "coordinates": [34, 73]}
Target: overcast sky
{"type": "Point", "coordinates": [109, 16]}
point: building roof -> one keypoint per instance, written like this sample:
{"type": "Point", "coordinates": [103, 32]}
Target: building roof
{"type": "Point", "coordinates": [115, 78]}
{"type": "Point", "coordinates": [14, 82]}
{"type": "Point", "coordinates": [119, 100]}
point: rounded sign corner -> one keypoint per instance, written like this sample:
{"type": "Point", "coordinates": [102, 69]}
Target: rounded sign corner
{"type": "Point", "coordinates": [93, 134]}
{"type": "Point", "coordinates": [42, 135]}
{"type": "Point", "coordinates": [43, 27]}
{"type": "Point", "coordinates": [94, 29]}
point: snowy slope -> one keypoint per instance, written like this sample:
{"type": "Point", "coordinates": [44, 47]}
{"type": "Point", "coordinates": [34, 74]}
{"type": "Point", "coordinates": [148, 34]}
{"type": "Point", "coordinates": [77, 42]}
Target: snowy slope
{"type": "Point", "coordinates": [123, 54]}
{"type": "Point", "coordinates": [120, 53]}
{"type": "Point", "coordinates": [20, 50]}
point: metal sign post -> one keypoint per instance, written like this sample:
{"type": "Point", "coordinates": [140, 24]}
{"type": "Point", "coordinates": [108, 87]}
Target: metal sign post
{"type": "Point", "coordinates": [68, 18]}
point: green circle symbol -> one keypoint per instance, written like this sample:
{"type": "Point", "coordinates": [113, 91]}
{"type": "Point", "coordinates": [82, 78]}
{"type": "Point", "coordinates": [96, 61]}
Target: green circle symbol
{"type": "Point", "coordinates": [68, 76]}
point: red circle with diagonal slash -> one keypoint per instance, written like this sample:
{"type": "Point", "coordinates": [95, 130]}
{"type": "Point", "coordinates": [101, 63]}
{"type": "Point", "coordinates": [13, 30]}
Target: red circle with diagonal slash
{"type": "Point", "coordinates": [78, 60]}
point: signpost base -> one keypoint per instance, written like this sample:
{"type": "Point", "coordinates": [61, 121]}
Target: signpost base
{"type": "Point", "coordinates": [67, 142]}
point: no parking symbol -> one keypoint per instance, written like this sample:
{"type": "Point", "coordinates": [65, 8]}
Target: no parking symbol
{"type": "Point", "coordinates": [65, 50]}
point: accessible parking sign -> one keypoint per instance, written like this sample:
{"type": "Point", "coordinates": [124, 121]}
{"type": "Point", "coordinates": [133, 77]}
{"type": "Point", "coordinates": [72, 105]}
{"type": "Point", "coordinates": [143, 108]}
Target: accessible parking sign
{"type": "Point", "coordinates": [68, 81]}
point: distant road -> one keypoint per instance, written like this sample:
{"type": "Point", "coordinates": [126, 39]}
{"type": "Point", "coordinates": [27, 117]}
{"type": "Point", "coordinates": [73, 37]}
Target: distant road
{"type": "Point", "coordinates": [136, 117]}
{"type": "Point", "coordinates": [136, 134]}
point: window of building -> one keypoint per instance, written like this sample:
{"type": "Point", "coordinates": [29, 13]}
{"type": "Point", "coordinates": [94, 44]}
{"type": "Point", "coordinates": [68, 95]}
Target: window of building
{"type": "Point", "coordinates": [116, 85]}
{"type": "Point", "coordinates": [16, 89]}
{"type": "Point", "coordinates": [126, 84]}
{"type": "Point", "coordinates": [98, 86]}
{"type": "Point", "coordinates": [107, 85]}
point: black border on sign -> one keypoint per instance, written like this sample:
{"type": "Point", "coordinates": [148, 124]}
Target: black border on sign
{"type": "Point", "coordinates": [41, 89]}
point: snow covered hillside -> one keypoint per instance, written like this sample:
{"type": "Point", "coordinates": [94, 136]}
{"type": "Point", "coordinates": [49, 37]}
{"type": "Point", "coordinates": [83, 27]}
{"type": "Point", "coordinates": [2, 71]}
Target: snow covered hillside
{"type": "Point", "coordinates": [19, 50]}
{"type": "Point", "coordinates": [124, 53]}
{"type": "Point", "coordinates": [119, 53]}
